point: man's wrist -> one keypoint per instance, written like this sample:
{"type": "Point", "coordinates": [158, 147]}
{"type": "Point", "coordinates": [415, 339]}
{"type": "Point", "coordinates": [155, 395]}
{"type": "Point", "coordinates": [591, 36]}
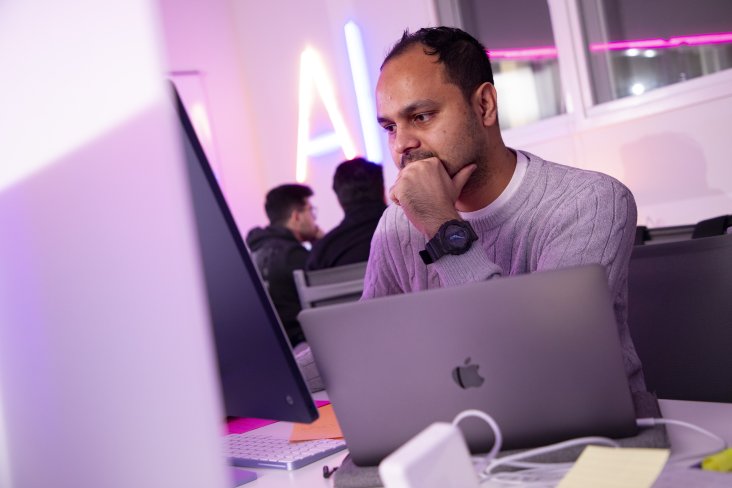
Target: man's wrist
{"type": "Point", "coordinates": [433, 227]}
{"type": "Point", "coordinates": [453, 237]}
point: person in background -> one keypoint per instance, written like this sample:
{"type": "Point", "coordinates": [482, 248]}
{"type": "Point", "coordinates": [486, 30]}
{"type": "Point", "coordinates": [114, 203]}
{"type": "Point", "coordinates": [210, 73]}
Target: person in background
{"type": "Point", "coordinates": [468, 208]}
{"type": "Point", "coordinates": [359, 186]}
{"type": "Point", "coordinates": [277, 249]}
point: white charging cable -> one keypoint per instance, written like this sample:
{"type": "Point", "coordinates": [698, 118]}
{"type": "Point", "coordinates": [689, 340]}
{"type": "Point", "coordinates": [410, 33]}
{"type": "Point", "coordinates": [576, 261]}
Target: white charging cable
{"type": "Point", "coordinates": [538, 474]}
{"type": "Point", "coordinates": [488, 463]}
{"type": "Point", "coordinates": [496, 434]}
{"type": "Point", "coordinates": [722, 444]}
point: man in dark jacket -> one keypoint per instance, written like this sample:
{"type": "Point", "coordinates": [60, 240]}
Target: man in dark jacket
{"type": "Point", "coordinates": [359, 186]}
{"type": "Point", "coordinates": [277, 249]}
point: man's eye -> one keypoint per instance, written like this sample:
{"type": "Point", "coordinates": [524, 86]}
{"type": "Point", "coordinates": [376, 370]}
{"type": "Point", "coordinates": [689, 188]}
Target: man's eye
{"type": "Point", "coordinates": [422, 117]}
{"type": "Point", "coordinates": [389, 128]}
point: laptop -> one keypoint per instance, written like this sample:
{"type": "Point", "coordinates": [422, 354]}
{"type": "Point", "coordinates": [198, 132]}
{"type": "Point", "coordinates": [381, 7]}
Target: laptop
{"type": "Point", "coordinates": [538, 352]}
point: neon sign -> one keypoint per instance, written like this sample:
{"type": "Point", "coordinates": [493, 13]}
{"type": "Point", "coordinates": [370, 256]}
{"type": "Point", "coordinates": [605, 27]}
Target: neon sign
{"type": "Point", "coordinates": [364, 97]}
{"type": "Point", "coordinates": [541, 52]}
{"type": "Point", "coordinates": [314, 79]}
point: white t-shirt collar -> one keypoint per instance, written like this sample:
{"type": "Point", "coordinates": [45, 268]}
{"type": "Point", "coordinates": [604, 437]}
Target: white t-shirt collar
{"type": "Point", "coordinates": [518, 175]}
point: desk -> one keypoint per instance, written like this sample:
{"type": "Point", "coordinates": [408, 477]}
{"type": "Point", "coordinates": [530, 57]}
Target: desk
{"type": "Point", "coordinates": [716, 417]}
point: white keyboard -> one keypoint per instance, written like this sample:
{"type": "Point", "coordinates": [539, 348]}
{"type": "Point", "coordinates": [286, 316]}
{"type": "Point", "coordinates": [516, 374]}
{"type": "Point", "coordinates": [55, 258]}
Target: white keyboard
{"type": "Point", "coordinates": [262, 451]}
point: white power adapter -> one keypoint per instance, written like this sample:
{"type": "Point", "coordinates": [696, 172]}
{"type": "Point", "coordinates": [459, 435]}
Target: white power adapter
{"type": "Point", "coordinates": [437, 457]}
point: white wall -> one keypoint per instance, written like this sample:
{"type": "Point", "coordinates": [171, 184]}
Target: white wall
{"type": "Point", "coordinates": [200, 35]}
{"type": "Point", "coordinates": [673, 155]}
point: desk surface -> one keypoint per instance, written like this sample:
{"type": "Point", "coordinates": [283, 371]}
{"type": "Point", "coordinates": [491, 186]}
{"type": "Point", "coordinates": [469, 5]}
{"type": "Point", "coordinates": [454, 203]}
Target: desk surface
{"type": "Point", "coordinates": [715, 417]}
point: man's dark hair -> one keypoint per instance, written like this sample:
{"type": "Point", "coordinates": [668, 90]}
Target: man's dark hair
{"type": "Point", "coordinates": [358, 181]}
{"type": "Point", "coordinates": [465, 58]}
{"type": "Point", "coordinates": [283, 199]}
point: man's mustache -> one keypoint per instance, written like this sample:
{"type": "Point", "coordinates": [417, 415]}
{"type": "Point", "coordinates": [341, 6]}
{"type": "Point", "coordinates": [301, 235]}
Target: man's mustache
{"type": "Point", "coordinates": [412, 156]}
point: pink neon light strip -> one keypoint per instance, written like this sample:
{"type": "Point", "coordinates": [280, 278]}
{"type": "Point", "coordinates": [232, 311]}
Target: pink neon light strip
{"type": "Point", "coordinates": [532, 53]}
{"type": "Point", "coordinates": [699, 40]}
{"type": "Point", "coordinates": [544, 52]}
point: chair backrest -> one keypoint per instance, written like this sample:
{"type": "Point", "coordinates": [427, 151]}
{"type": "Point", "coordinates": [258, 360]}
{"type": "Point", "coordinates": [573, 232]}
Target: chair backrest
{"type": "Point", "coordinates": [659, 235]}
{"type": "Point", "coordinates": [680, 317]}
{"type": "Point", "coordinates": [329, 286]}
{"type": "Point", "coordinates": [716, 226]}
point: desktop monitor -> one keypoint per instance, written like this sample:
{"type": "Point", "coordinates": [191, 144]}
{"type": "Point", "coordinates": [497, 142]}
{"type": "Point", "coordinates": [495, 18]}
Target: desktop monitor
{"type": "Point", "coordinates": [679, 314]}
{"type": "Point", "coordinates": [259, 375]}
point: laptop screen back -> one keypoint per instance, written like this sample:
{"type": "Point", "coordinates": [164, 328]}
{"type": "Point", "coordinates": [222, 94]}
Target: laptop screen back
{"type": "Point", "coordinates": [540, 353]}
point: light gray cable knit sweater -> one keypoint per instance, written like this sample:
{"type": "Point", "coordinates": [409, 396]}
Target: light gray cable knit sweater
{"type": "Point", "coordinates": [558, 217]}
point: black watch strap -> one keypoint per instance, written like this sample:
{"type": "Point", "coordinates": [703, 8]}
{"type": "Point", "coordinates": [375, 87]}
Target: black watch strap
{"type": "Point", "coordinates": [429, 255]}
{"type": "Point", "coordinates": [436, 248]}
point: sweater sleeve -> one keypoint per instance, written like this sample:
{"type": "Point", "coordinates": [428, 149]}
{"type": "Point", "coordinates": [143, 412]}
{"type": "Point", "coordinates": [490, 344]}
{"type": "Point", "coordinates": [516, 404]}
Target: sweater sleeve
{"type": "Point", "coordinates": [395, 265]}
{"type": "Point", "coordinates": [596, 224]}
{"type": "Point", "coordinates": [468, 267]}
{"type": "Point", "coordinates": [381, 275]}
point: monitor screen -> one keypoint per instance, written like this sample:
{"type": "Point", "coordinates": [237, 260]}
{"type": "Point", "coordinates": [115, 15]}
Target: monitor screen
{"type": "Point", "coordinates": [259, 375]}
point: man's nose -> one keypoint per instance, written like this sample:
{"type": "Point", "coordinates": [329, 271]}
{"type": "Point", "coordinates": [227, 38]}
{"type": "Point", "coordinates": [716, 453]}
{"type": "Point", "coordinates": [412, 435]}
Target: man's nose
{"type": "Point", "coordinates": [404, 141]}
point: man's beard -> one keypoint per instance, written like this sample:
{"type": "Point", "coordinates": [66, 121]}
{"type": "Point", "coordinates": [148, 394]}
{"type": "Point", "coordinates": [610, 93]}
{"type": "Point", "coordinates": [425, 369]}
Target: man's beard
{"type": "Point", "coordinates": [417, 155]}
{"type": "Point", "coordinates": [475, 180]}
{"type": "Point", "coordinates": [478, 178]}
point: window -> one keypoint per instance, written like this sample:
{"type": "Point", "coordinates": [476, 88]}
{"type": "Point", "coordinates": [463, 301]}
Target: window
{"type": "Point", "coordinates": [518, 36]}
{"type": "Point", "coordinates": [636, 46]}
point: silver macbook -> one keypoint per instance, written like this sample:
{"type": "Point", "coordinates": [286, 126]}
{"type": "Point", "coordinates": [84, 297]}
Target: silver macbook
{"type": "Point", "coordinates": [538, 352]}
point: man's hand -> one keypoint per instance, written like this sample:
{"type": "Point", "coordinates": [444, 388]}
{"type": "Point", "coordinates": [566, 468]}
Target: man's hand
{"type": "Point", "coordinates": [427, 194]}
{"type": "Point", "coordinates": [319, 233]}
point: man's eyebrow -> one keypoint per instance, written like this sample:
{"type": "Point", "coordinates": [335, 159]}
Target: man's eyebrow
{"type": "Point", "coordinates": [410, 109]}
{"type": "Point", "coordinates": [417, 106]}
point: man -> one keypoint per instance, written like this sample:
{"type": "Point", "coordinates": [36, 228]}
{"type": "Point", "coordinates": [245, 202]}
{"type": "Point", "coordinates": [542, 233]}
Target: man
{"type": "Point", "coordinates": [277, 249]}
{"type": "Point", "coordinates": [467, 207]}
{"type": "Point", "coordinates": [359, 186]}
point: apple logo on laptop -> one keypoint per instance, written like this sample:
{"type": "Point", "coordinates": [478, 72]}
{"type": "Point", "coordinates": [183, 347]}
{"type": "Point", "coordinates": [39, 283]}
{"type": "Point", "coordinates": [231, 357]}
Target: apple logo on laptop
{"type": "Point", "coordinates": [467, 376]}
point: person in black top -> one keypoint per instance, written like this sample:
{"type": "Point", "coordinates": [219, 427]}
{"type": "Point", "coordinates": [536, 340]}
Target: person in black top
{"type": "Point", "coordinates": [277, 249]}
{"type": "Point", "coordinates": [359, 186]}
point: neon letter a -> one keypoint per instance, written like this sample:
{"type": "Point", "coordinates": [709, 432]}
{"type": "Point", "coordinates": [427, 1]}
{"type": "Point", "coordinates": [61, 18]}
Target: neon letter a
{"type": "Point", "coordinates": [313, 78]}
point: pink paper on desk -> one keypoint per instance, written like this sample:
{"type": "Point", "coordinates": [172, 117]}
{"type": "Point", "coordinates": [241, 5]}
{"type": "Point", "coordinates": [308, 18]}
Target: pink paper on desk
{"type": "Point", "coordinates": [239, 425]}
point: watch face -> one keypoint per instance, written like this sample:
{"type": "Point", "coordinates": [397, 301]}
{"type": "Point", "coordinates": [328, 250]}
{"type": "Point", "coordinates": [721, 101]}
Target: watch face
{"type": "Point", "coordinates": [457, 238]}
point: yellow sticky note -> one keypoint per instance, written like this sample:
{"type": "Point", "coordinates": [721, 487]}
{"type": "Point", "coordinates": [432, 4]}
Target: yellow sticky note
{"type": "Point", "coordinates": [326, 427]}
{"type": "Point", "coordinates": [608, 467]}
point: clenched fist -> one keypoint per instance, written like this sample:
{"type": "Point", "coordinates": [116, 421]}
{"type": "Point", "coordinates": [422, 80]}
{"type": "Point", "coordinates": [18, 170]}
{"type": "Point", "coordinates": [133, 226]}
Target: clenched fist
{"type": "Point", "coordinates": [427, 193]}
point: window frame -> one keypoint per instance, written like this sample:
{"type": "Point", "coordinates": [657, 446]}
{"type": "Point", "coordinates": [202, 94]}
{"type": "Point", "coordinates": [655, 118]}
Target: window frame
{"type": "Point", "coordinates": [574, 71]}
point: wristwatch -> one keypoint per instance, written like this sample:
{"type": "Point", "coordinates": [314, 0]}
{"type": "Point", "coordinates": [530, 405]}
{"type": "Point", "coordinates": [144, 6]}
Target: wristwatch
{"type": "Point", "coordinates": [453, 237]}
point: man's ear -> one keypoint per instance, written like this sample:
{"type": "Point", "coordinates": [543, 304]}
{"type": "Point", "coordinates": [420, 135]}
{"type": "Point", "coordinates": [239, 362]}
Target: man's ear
{"type": "Point", "coordinates": [293, 220]}
{"type": "Point", "coordinates": [485, 99]}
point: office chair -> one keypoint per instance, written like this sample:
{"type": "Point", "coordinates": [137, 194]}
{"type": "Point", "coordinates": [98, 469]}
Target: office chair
{"type": "Point", "coordinates": [658, 235]}
{"type": "Point", "coordinates": [680, 317]}
{"type": "Point", "coordinates": [320, 288]}
{"type": "Point", "coordinates": [641, 235]}
{"type": "Point", "coordinates": [329, 286]}
{"type": "Point", "coordinates": [716, 226]}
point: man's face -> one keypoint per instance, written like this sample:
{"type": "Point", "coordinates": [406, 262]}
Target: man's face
{"type": "Point", "coordinates": [307, 228]}
{"type": "Point", "coordinates": [425, 116]}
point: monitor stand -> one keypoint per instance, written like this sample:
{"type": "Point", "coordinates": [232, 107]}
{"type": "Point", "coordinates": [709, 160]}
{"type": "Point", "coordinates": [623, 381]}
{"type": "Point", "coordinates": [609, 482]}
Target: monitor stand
{"type": "Point", "coordinates": [241, 476]}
